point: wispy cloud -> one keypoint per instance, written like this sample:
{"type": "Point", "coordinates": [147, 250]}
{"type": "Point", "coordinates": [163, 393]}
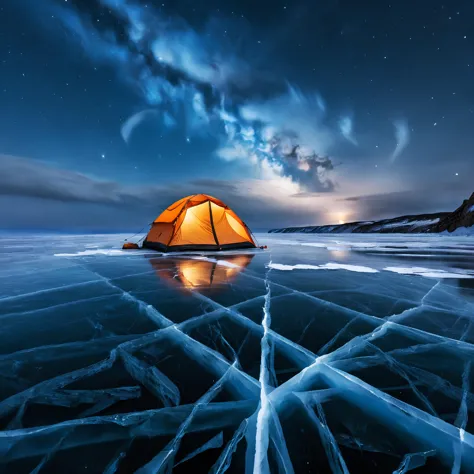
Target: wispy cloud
{"type": "Point", "coordinates": [402, 135]}
{"type": "Point", "coordinates": [346, 127]}
{"type": "Point", "coordinates": [134, 121]}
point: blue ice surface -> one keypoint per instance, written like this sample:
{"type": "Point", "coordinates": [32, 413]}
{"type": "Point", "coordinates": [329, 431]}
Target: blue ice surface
{"type": "Point", "coordinates": [323, 353]}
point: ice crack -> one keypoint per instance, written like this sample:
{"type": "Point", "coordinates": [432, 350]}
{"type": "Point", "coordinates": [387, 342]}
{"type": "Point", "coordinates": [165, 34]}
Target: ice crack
{"type": "Point", "coordinates": [262, 435]}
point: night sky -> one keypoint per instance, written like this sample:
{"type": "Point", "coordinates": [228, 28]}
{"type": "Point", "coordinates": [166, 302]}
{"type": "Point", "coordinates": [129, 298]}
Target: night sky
{"type": "Point", "coordinates": [293, 113]}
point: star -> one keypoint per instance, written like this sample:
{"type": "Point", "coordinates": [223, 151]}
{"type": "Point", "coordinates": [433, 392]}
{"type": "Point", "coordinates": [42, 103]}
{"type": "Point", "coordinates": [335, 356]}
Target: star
{"type": "Point", "coordinates": [102, 156]}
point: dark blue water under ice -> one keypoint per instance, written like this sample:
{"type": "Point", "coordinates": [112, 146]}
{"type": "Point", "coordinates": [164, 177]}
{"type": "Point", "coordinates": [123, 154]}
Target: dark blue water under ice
{"type": "Point", "coordinates": [322, 354]}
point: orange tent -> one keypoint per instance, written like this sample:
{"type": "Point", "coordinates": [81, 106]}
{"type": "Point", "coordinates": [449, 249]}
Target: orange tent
{"type": "Point", "coordinates": [198, 222]}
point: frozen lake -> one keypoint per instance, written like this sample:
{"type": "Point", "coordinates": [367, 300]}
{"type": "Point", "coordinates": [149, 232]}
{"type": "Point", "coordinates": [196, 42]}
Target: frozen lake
{"type": "Point", "coordinates": [322, 354]}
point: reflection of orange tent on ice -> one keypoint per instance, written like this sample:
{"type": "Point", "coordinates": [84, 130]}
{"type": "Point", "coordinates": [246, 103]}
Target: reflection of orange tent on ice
{"type": "Point", "coordinates": [198, 222]}
{"type": "Point", "coordinates": [195, 273]}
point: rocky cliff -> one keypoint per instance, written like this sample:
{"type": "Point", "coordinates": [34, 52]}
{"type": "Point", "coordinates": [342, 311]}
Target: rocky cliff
{"type": "Point", "coordinates": [463, 216]}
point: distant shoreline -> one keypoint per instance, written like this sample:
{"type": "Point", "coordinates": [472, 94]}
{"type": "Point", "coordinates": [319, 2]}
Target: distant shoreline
{"type": "Point", "coordinates": [462, 217]}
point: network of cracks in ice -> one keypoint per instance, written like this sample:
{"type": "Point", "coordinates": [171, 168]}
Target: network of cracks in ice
{"type": "Point", "coordinates": [312, 356]}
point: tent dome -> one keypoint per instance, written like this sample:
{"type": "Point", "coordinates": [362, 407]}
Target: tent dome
{"type": "Point", "coordinates": [198, 222]}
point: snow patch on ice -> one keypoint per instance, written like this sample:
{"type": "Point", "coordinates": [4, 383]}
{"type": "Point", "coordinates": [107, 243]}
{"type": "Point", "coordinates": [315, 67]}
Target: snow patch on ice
{"type": "Point", "coordinates": [429, 272]}
{"type": "Point", "coordinates": [108, 252]}
{"type": "Point", "coordinates": [326, 266]}
{"type": "Point", "coordinates": [421, 271]}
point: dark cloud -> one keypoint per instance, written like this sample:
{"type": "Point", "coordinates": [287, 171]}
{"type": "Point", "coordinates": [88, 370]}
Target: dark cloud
{"type": "Point", "coordinates": [215, 184]}
{"type": "Point", "coordinates": [37, 195]}
{"type": "Point", "coordinates": [23, 177]}
{"type": "Point", "coordinates": [29, 178]}
{"type": "Point", "coordinates": [309, 169]}
{"type": "Point", "coordinates": [354, 198]}
{"type": "Point", "coordinates": [305, 195]}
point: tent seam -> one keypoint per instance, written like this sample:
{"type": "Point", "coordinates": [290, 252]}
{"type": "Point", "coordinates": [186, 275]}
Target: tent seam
{"type": "Point", "coordinates": [212, 224]}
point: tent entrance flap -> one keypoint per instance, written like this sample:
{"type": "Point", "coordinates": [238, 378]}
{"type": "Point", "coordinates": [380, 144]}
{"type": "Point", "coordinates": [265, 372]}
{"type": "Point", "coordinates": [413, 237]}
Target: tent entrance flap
{"type": "Point", "coordinates": [198, 222]}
